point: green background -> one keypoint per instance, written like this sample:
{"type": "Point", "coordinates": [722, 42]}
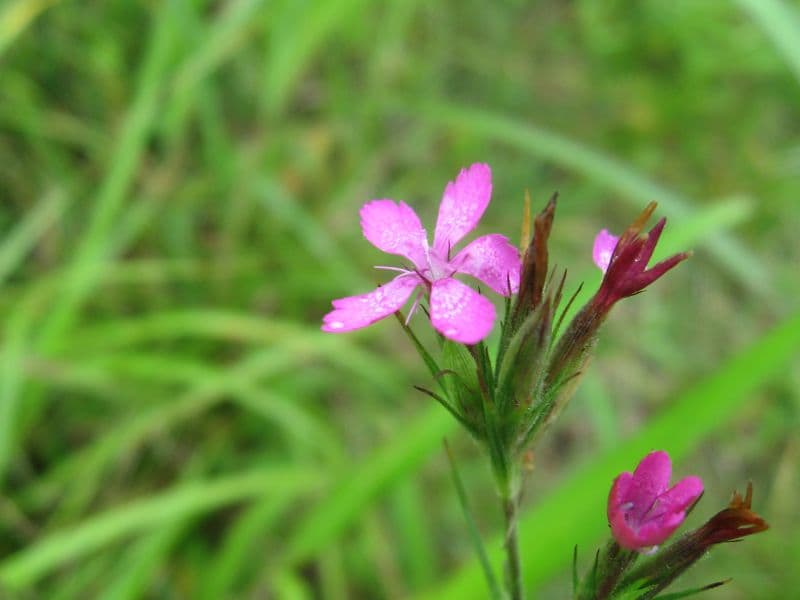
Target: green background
{"type": "Point", "coordinates": [179, 190]}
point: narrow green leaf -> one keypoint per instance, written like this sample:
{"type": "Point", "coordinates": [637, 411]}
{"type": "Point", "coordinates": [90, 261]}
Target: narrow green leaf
{"type": "Point", "coordinates": [692, 592]}
{"type": "Point", "coordinates": [472, 527]}
{"type": "Point", "coordinates": [427, 358]}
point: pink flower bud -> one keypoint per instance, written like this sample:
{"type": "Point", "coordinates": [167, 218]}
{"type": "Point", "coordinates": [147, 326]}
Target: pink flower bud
{"type": "Point", "coordinates": [624, 260]}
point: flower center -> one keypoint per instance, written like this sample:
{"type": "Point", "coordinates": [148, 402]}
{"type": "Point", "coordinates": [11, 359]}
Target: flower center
{"type": "Point", "coordinates": [438, 267]}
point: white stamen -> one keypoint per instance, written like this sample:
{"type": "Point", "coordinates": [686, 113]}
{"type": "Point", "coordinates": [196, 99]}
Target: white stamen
{"type": "Point", "coordinates": [414, 307]}
{"type": "Point", "coordinates": [395, 269]}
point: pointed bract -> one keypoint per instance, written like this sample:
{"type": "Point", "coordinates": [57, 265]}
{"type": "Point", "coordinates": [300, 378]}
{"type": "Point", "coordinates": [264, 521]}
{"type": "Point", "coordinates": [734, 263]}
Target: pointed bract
{"type": "Point", "coordinates": [732, 523]}
{"type": "Point", "coordinates": [534, 270]}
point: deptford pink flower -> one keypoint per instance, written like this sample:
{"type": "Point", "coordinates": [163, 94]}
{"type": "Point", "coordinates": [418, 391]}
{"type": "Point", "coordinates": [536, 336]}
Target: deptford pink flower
{"type": "Point", "coordinates": [456, 310]}
{"type": "Point", "coordinates": [624, 260]}
{"type": "Point", "coordinates": [643, 510]}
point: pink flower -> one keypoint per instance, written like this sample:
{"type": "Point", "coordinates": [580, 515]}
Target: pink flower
{"type": "Point", "coordinates": [643, 510]}
{"type": "Point", "coordinates": [456, 310]}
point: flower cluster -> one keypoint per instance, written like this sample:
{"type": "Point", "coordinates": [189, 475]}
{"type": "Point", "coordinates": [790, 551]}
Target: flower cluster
{"type": "Point", "coordinates": [506, 398]}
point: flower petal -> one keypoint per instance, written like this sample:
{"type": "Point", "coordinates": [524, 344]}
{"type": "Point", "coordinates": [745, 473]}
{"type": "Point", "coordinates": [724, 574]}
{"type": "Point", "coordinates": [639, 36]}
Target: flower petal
{"type": "Point", "coordinates": [460, 313]}
{"type": "Point", "coordinates": [653, 533]}
{"type": "Point", "coordinates": [355, 312]}
{"type": "Point", "coordinates": [650, 480]}
{"type": "Point", "coordinates": [668, 511]}
{"type": "Point", "coordinates": [618, 495]}
{"type": "Point", "coordinates": [395, 228]}
{"type": "Point", "coordinates": [680, 496]}
{"type": "Point", "coordinates": [625, 535]}
{"type": "Point", "coordinates": [493, 260]}
{"type": "Point", "coordinates": [604, 244]}
{"type": "Point", "coordinates": [462, 206]}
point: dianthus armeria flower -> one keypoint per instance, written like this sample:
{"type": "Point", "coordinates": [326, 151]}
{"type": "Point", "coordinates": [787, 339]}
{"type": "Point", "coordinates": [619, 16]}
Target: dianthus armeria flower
{"type": "Point", "coordinates": [457, 311]}
{"type": "Point", "coordinates": [624, 259]}
{"type": "Point", "coordinates": [643, 510]}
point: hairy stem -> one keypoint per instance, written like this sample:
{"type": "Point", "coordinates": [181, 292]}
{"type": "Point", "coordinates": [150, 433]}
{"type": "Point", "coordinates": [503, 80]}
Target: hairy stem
{"type": "Point", "coordinates": [513, 567]}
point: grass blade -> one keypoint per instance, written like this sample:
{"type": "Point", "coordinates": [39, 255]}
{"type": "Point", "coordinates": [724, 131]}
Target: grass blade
{"type": "Point", "coordinates": [87, 264]}
{"type": "Point", "coordinates": [16, 245]}
{"type": "Point", "coordinates": [16, 17]}
{"type": "Point", "coordinates": [362, 484]}
{"type": "Point", "coordinates": [35, 561]}
{"type": "Point", "coordinates": [781, 23]}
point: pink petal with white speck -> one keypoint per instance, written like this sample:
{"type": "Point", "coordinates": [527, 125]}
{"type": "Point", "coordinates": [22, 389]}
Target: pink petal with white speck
{"type": "Point", "coordinates": [395, 228]}
{"type": "Point", "coordinates": [460, 313]}
{"type": "Point", "coordinates": [604, 244]}
{"type": "Point", "coordinates": [355, 312]}
{"type": "Point", "coordinates": [619, 492]}
{"type": "Point", "coordinates": [493, 260]}
{"type": "Point", "coordinates": [463, 204]}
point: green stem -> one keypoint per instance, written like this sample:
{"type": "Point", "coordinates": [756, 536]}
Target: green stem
{"type": "Point", "coordinates": [513, 565]}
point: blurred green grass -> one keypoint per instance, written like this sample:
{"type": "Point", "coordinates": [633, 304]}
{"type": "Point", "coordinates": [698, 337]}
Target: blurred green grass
{"type": "Point", "coordinates": [179, 184]}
